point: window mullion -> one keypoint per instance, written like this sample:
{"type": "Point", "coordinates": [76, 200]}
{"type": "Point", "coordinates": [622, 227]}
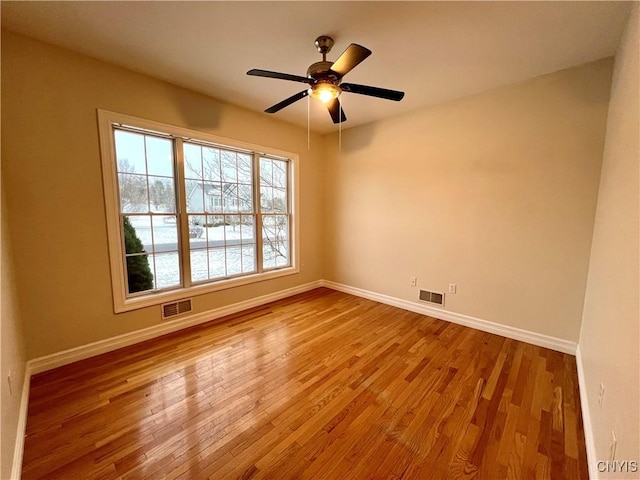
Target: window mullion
{"type": "Point", "coordinates": [257, 211]}
{"type": "Point", "coordinates": [290, 239]}
{"type": "Point", "coordinates": [183, 218]}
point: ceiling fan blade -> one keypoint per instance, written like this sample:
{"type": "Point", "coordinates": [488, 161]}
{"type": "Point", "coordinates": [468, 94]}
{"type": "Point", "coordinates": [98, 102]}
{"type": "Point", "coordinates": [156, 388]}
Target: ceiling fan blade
{"type": "Point", "coordinates": [372, 91]}
{"type": "Point", "coordinates": [287, 102]}
{"type": "Point", "coordinates": [336, 112]}
{"type": "Point", "coordinates": [281, 76]}
{"type": "Point", "coordinates": [350, 58]}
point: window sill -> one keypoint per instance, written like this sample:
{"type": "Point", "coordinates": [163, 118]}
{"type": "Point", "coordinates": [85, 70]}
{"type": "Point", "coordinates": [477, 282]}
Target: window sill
{"type": "Point", "coordinates": [181, 293]}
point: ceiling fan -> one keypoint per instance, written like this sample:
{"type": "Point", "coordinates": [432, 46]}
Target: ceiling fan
{"type": "Point", "coordinates": [324, 79]}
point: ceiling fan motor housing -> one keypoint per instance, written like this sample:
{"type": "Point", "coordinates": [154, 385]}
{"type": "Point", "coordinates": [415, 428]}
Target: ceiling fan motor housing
{"type": "Point", "coordinates": [321, 71]}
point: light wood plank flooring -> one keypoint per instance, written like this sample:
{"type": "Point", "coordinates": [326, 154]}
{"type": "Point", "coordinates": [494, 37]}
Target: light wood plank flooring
{"type": "Point", "coordinates": [322, 385]}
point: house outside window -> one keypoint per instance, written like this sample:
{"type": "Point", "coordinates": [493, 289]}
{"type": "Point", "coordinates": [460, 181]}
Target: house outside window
{"type": "Point", "coordinates": [189, 213]}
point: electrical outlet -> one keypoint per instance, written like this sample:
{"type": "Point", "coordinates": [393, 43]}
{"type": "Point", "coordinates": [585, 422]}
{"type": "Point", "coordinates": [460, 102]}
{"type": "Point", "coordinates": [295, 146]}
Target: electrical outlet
{"type": "Point", "coordinates": [612, 447]}
{"type": "Point", "coordinates": [453, 288]}
{"type": "Point", "coordinates": [10, 385]}
{"type": "Point", "coordinates": [601, 395]}
{"type": "Point", "coordinates": [413, 281]}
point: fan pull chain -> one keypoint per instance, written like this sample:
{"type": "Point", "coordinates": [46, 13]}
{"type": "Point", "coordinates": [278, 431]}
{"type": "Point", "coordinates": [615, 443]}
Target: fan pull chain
{"type": "Point", "coordinates": [340, 130]}
{"type": "Point", "coordinates": [308, 124]}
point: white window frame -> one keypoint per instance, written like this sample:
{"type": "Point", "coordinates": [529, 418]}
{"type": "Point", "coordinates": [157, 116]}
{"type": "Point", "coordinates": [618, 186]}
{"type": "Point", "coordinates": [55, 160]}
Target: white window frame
{"type": "Point", "coordinates": [122, 302]}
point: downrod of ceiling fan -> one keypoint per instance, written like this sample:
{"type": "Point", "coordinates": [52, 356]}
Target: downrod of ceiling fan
{"type": "Point", "coordinates": [324, 43]}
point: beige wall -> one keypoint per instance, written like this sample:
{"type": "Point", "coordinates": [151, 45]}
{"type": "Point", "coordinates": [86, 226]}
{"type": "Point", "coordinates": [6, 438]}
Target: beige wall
{"type": "Point", "coordinates": [12, 351]}
{"type": "Point", "coordinates": [610, 337]}
{"type": "Point", "coordinates": [51, 161]}
{"type": "Point", "coordinates": [494, 192]}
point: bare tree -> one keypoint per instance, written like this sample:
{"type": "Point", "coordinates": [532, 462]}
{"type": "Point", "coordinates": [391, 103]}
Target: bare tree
{"type": "Point", "coordinates": [133, 187]}
{"type": "Point", "coordinates": [273, 200]}
{"type": "Point", "coordinates": [162, 195]}
{"type": "Point", "coordinates": [233, 172]}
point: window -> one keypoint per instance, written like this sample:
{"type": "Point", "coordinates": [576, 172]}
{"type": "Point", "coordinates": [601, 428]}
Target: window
{"type": "Point", "coordinates": [189, 213]}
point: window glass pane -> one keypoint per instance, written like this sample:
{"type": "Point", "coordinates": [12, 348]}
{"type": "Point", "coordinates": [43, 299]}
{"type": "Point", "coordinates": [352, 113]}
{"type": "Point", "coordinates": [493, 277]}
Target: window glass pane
{"type": "Point", "coordinates": [229, 172]}
{"type": "Point", "coordinates": [275, 255]}
{"type": "Point", "coordinates": [167, 269]}
{"type": "Point", "coordinates": [216, 263]}
{"type": "Point", "coordinates": [232, 229]}
{"type": "Point", "coordinates": [215, 231]}
{"type": "Point", "coordinates": [282, 227]}
{"type": "Point", "coordinates": [279, 204]}
{"type": "Point", "coordinates": [245, 197]}
{"type": "Point", "coordinates": [275, 234]}
{"type": "Point", "coordinates": [248, 229]}
{"type": "Point", "coordinates": [133, 193]}
{"type": "Point", "coordinates": [159, 156]}
{"type": "Point", "coordinates": [248, 258]}
{"type": "Point", "coordinates": [162, 195]}
{"type": "Point", "coordinates": [266, 173]}
{"type": "Point", "coordinates": [279, 173]}
{"type": "Point", "coordinates": [165, 235]}
{"type": "Point", "coordinates": [212, 197]}
{"type": "Point", "coordinates": [230, 199]}
{"type": "Point", "coordinates": [216, 202]}
{"type": "Point", "coordinates": [199, 265]}
{"type": "Point", "coordinates": [245, 169]}
{"type": "Point", "coordinates": [211, 162]}
{"type": "Point", "coordinates": [130, 152]}
{"type": "Point", "coordinates": [197, 231]}
{"type": "Point", "coordinates": [192, 161]}
{"type": "Point", "coordinates": [141, 225]}
{"type": "Point", "coordinates": [139, 272]}
{"type": "Point", "coordinates": [282, 254]}
{"type": "Point", "coordinates": [275, 227]}
{"type": "Point", "coordinates": [170, 219]}
{"type": "Point", "coordinates": [268, 256]}
{"type": "Point", "coordinates": [234, 260]}
{"type": "Point", "coordinates": [266, 198]}
{"type": "Point", "coordinates": [273, 186]}
{"type": "Point", "coordinates": [195, 196]}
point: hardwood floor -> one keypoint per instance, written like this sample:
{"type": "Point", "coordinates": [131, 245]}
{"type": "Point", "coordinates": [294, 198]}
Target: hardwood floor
{"type": "Point", "coordinates": [321, 385]}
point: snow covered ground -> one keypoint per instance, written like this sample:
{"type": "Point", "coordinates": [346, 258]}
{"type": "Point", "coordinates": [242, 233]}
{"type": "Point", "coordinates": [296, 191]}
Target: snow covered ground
{"type": "Point", "coordinates": [206, 263]}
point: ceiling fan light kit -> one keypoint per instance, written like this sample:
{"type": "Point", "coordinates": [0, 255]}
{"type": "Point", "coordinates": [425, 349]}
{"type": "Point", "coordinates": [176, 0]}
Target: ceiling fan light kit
{"type": "Point", "coordinates": [324, 79]}
{"type": "Point", "coordinates": [324, 91]}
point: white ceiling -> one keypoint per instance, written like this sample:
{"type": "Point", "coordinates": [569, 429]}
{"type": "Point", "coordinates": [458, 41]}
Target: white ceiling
{"type": "Point", "coordinates": [434, 51]}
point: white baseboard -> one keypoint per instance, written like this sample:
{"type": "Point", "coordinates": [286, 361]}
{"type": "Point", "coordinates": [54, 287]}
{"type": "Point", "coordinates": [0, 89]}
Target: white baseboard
{"type": "Point", "coordinates": [586, 418]}
{"type": "Point", "coordinates": [65, 357]}
{"type": "Point", "coordinates": [16, 468]}
{"type": "Point", "coordinates": [534, 338]}
{"type": "Point", "coordinates": [71, 355]}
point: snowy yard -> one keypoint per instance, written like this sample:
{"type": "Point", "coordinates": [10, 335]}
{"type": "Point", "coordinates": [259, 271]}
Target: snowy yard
{"type": "Point", "coordinates": [210, 258]}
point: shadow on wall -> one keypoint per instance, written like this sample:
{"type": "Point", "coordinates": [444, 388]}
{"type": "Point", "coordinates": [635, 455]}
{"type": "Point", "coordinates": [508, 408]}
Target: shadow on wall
{"type": "Point", "coordinates": [196, 110]}
{"type": "Point", "coordinates": [590, 94]}
{"type": "Point", "coordinates": [354, 139]}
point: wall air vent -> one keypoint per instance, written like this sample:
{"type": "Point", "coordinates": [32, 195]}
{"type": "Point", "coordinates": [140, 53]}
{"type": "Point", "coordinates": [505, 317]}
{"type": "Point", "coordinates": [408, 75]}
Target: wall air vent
{"type": "Point", "coordinates": [432, 297]}
{"type": "Point", "coordinates": [176, 308]}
